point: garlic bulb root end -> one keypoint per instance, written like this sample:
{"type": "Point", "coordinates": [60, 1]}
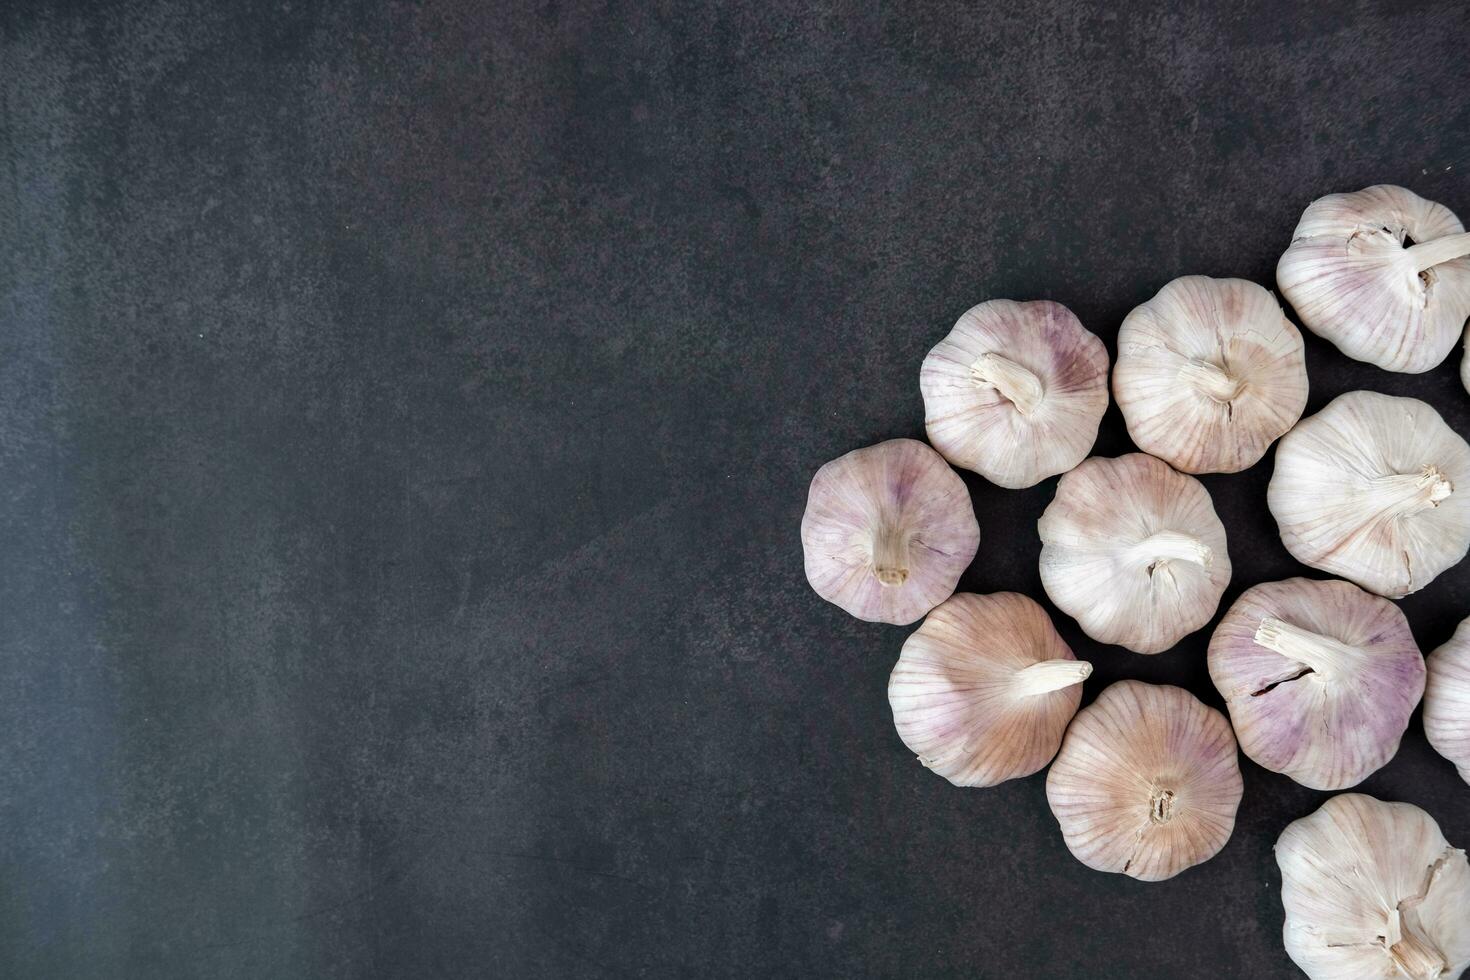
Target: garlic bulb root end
{"type": "Point", "coordinates": [1050, 675]}
{"type": "Point", "coordinates": [1016, 384]}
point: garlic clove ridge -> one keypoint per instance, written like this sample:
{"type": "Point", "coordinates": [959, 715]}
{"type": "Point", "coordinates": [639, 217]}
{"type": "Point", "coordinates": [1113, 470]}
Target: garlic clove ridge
{"type": "Point", "coordinates": [1447, 699]}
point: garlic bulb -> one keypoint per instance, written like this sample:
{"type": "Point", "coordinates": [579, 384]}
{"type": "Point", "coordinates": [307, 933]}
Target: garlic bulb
{"type": "Point", "coordinates": [1209, 374]}
{"type": "Point", "coordinates": [1373, 889]}
{"type": "Point", "coordinates": [1376, 489]}
{"type": "Point", "coordinates": [1320, 679]}
{"type": "Point", "coordinates": [887, 531]}
{"type": "Point", "coordinates": [1133, 551]}
{"type": "Point", "coordinates": [1016, 391]}
{"type": "Point", "coordinates": [1352, 280]}
{"type": "Point", "coordinates": [1146, 783]}
{"type": "Point", "coordinates": [984, 689]}
{"type": "Point", "coordinates": [1447, 700]}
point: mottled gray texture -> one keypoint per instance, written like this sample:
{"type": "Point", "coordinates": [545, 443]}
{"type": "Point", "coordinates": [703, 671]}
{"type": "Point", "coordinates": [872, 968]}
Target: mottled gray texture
{"type": "Point", "coordinates": [406, 415]}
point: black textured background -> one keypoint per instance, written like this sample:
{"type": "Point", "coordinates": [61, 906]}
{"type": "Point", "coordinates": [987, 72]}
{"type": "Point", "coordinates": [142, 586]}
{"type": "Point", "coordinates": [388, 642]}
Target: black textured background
{"type": "Point", "coordinates": [406, 416]}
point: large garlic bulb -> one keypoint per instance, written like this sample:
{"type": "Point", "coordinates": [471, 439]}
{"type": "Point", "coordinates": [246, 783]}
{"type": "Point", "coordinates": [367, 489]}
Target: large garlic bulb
{"type": "Point", "coordinates": [1146, 783]}
{"type": "Point", "coordinates": [887, 531]}
{"type": "Point", "coordinates": [984, 689]}
{"type": "Point", "coordinates": [1209, 374]}
{"type": "Point", "coordinates": [1447, 700]}
{"type": "Point", "coordinates": [1016, 391]}
{"type": "Point", "coordinates": [1133, 551]}
{"type": "Point", "coordinates": [1353, 276]}
{"type": "Point", "coordinates": [1376, 489]}
{"type": "Point", "coordinates": [1320, 679]}
{"type": "Point", "coordinates": [1373, 890]}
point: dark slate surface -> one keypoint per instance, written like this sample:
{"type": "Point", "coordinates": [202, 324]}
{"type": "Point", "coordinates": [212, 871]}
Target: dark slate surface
{"type": "Point", "coordinates": [406, 415]}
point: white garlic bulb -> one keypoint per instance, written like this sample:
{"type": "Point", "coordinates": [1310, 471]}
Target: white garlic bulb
{"type": "Point", "coordinates": [1373, 890]}
{"type": "Point", "coordinates": [1447, 700]}
{"type": "Point", "coordinates": [1146, 783]}
{"type": "Point", "coordinates": [984, 689]}
{"type": "Point", "coordinates": [887, 531]}
{"type": "Point", "coordinates": [1209, 374]}
{"type": "Point", "coordinates": [1376, 489]}
{"type": "Point", "coordinates": [1320, 679]}
{"type": "Point", "coordinates": [1134, 552]}
{"type": "Point", "coordinates": [1015, 392]}
{"type": "Point", "coordinates": [1351, 279]}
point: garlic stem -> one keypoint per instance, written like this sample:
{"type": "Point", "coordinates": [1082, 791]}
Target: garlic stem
{"type": "Point", "coordinates": [1413, 954]}
{"type": "Point", "coordinates": [1049, 675]}
{"type": "Point", "coordinates": [1016, 384]}
{"type": "Point", "coordinates": [1160, 805]}
{"type": "Point", "coordinates": [1401, 494]}
{"type": "Point", "coordinates": [1428, 254]}
{"type": "Point", "coordinates": [1210, 379]}
{"type": "Point", "coordinates": [1325, 655]}
{"type": "Point", "coordinates": [891, 556]}
{"type": "Point", "coordinates": [1166, 546]}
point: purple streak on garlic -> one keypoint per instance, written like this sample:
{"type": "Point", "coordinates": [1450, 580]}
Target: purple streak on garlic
{"type": "Point", "coordinates": [1320, 679]}
{"type": "Point", "coordinates": [1351, 278]}
{"type": "Point", "coordinates": [1209, 374]}
{"type": "Point", "coordinates": [1147, 782]}
{"type": "Point", "coordinates": [1447, 700]}
{"type": "Point", "coordinates": [984, 689]}
{"type": "Point", "coordinates": [1015, 392]}
{"type": "Point", "coordinates": [887, 531]}
{"type": "Point", "coordinates": [1134, 552]}
{"type": "Point", "coordinates": [1376, 489]}
{"type": "Point", "coordinates": [1372, 889]}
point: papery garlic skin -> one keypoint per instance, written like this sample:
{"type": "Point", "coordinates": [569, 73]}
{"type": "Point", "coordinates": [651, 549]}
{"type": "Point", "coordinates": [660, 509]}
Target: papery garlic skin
{"type": "Point", "coordinates": [887, 531]}
{"type": "Point", "coordinates": [1133, 550]}
{"type": "Point", "coordinates": [1351, 280]}
{"type": "Point", "coordinates": [1373, 890]}
{"type": "Point", "coordinates": [1147, 783]}
{"type": "Point", "coordinates": [1376, 489]}
{"type": "Point", "coordinates": [1447, 700]}
{"type": "Point", "coordinates": [1209, 374]}
{"type": "Point", "coordinates": [1320, 679]}
{"type": "Point", "coordinates": [1016, 391]}
{"type": "Point", "coordinates": [983, 690]}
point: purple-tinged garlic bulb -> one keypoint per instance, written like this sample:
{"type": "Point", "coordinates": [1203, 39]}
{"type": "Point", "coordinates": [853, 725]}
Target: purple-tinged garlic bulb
{"type": "Point", "coordinates": [1447, 700]}
{"type": "Point", "coordinates": [1371, 890]}
{"type": "Point", "coordinates": [1133, 550]}
{"type": "Point", "coordinates": [887, 531]}
{"type": "Point", "coordinates": [1383, 274]}
{"type": "Point", "coordinates": [1319, 677]}
{"type": "Point", "coordinates": [984, 689]}
{"type": "Point", "coordinates": [1376, 489]}
{"type": "Point", "coordinates": [1015, 392]}
{"type": "Point", "coordinates": [1147, 782]}
{"type": "Point", "coordinates": [1209, 374]}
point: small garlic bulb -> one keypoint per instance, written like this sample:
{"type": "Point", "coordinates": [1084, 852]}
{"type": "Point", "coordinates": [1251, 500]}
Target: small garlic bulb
{"type": "Point", "coordinates": [1133, 551]}
{"type": "Point", "coordinates": [984, 689]}
{"type": "Point", "coordinates": [1320, 679]}
{"type": "Point", "coordinates": [1351, 279]}
{"type": "Point", "coordinates": [1146, 783]}
{"type": "Point", "coordinates": [1015, 392]}
{"type": "Point", "coordinates": [1209, 374]}
{"type": "Point", "coordinates": [1373, 889]}
{"type": "Point", "coordinates": [887, 531]}
{"type": "Point", "coordinates": [1447, 700]}
{"type": "Point", "coordinates": [1376, 489]}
